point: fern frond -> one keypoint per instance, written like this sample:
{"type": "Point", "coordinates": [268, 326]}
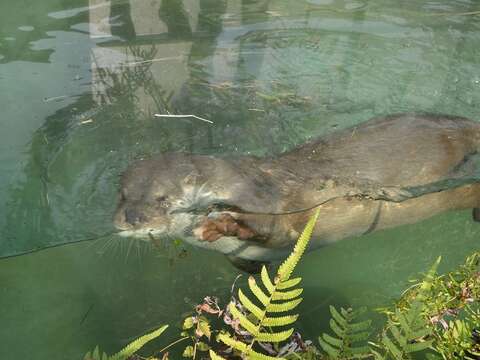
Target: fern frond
{"type": "Point", "coordinates": [409, 328]}
{"type": "Point", "coordinates": [286, 269]}
{"type": "Point", "coordinates": [348, 334]}
{"type": "Point", "coordinates": [96, 355]}
{"type": "Point", "coordinates": [272, 299]}
{"type": "Point", "coordinates": [428, 280]}
{"type": "Point", "coordinates": [128, 350]}
{"type": "Point", "coordinates": [137, 344]}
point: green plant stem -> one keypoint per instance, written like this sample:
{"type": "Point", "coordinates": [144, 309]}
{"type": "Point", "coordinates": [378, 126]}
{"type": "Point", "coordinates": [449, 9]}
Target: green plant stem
{"type": "Point", "coordinates": [171, 344]}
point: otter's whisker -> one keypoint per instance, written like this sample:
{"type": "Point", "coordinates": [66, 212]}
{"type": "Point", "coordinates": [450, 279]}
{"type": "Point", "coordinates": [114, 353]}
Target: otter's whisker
{"type": "Point", "coordinates": [105, 246]}
{"type": "Point", "coordinates": [110, 244]}
{"type": "Point", "coordinates": [122, 247]}
{"type": "Point", "coordinates": [129, 249]}
{"type": "Point", "coordinates": [147, 248]}
{"type": "Point", "coordinates": [139, 257]}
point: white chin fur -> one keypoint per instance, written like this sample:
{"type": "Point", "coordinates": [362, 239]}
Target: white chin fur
{"type": "Point", "coordinates": [143, 234]}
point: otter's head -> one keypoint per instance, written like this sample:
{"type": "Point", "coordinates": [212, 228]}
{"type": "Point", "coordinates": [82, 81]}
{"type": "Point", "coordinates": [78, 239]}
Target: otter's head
{"type": "Point", "coordinates": [161, 195]}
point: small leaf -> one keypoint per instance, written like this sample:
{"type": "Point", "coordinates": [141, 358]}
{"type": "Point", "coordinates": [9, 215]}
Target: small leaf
{"type": "Point", "coordinates": [204, 327]}
{"type": "Point", "coordinates": [266, 280]}
{"type": "Point", "coordinates": [135, 345]}
{"type": "Point", "coordinates": [243, 348]}
{"type": "Point", "coordinates": [336, 328]}
{"type": "Point", "coordinates": [246, 324]}
{"type": "Point", "coordinates": [330, 350]}
{"type": "Point", "coordinates": [202, 346]}
{"type": "Point", "coordinates": [96, 353]}
{"type": "Point", "coordinates": [419, 346]}
{"type": "Point", "coordinates": [360, 326]}
{"type": "Point", "coordinates": [214, 356]}
{"type": "Point", "coordinates": [250, 306]}
{"type": "Point", "coordinates": [279, 321]}
{"type": "Point", "coordinates": [274, 337]}
{"type": "Point", "coordinates": [338, 318]}
{"type": "Point", "coordinates": [397, 354]}
{"type": "Point", "coordinates": [333, 341]}
{"type": "Point", "coordinates": [287, 295]}
{"type": "Point", "coordinates": [264, 299]}
{"type": "Point", "coordinates": [188, 352]}
{"type": "Point", "coordinates": [289, 283]}
{"type": "Point", "coordinates": [284, 306]}
{"type": "Point", "coordinates": [188, 323]}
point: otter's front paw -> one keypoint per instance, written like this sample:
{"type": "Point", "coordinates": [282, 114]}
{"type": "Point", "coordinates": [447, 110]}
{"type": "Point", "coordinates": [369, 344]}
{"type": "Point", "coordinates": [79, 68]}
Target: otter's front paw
{"type": "Point", "coordinates": [224, 225]}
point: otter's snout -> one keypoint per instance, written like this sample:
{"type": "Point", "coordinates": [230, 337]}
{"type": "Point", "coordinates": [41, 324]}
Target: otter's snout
{"type": "Point", "coordinates": [134, 216]}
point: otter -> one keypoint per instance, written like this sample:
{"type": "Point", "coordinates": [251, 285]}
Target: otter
{"type": "Point", "coordinates": [385, 172]}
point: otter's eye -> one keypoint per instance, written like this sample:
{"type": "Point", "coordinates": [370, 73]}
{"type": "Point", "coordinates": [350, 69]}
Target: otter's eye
{"type": "Point", "coordinates": [162, 201]}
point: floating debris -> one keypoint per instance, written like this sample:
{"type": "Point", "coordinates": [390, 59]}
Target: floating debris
{"type": "Point", "coordinates": [54, 98]}
{"type": "Point", "coordinates": [184, 116]}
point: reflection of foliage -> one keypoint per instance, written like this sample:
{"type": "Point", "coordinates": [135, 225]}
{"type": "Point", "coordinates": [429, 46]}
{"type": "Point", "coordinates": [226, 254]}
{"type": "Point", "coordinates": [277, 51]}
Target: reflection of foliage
{"type": "Point", "coordinates": [306, 38]}
{"type": "Point", "coordinates": [123, 84]}
{"type": "Point", "coordinates": [174, 15]}
{"type": "Point", "coordinates": [120, 20]}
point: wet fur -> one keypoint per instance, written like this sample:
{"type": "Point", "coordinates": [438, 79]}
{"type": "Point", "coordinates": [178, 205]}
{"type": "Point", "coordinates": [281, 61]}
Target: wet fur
{"type": "Point", "coordinates": [358, 177]}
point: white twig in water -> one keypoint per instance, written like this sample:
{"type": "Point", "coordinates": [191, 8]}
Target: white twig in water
{"type": "Point", "coordinates": [135, 63]}
{"type": "Point", "coordinates": [184, 116]}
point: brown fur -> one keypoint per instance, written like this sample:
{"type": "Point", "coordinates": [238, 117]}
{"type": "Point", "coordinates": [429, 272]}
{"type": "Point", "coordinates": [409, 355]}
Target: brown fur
{"type": "Point", "coordinates": [361, 179]}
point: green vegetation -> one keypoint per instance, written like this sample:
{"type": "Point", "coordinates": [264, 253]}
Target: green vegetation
{"type": "Point", "coordinates": [437, 318]}
{"type": "Point", "coordinates": [128, 350]}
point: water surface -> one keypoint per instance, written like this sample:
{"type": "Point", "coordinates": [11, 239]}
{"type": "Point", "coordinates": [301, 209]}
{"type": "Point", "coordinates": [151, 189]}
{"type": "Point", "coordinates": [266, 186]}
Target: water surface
{"type": "Point", "coordinates": [79, 84]}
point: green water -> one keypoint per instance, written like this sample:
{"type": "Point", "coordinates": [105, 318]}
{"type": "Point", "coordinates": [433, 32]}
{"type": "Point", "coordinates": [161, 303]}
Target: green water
{"type": "Point", "coordinates": [79, 84]}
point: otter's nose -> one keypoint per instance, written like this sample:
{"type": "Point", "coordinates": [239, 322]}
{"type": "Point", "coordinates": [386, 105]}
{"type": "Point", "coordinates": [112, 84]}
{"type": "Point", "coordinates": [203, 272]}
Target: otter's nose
{"type": "Point", "coordinates": [133, 216]}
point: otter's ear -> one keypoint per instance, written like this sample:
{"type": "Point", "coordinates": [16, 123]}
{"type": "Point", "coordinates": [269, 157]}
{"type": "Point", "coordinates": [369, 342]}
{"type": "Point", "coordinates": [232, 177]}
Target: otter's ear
{"type": "Point", "coordinates": [248, 266]}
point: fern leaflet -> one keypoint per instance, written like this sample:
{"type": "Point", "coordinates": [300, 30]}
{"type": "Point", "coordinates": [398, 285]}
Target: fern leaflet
{"type": "Point", "coordinates": [408, 331]}
{"type": "Point", "coordinates": [348, 334]}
